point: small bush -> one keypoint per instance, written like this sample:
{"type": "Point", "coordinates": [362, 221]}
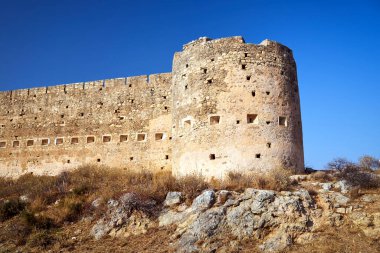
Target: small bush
{"type": "Point", "coordinates": [339, 164]}
{"type": "Point", "coordinates": [357, 176]}
{"type": "Point", "coordinates": [42, 239]}
{"type": "Point", "coordinates": [322, 176]}
{"type": "Point", "coordinates": [369, 162]}
{"type": "Point", "coordinates": [192, 186]}
{"type": "Point", "coordinates": [10, 208]}
{"type": "Point", "coordinates": [38, 222]}
{"type": "Point", "coordinates": [277, 179]}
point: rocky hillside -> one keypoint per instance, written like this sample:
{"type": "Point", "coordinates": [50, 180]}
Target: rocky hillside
{"type": "Point", "coordinates": [315, 213]}
{"type": "Point", "coordinates": [274, 221]}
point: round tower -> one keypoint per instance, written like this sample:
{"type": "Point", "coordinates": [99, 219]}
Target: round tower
{"type": "Point", "coordinates": [236, 107]}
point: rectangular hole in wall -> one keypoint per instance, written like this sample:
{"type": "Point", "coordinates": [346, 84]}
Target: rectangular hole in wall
{"type": "Point", "coordinates": [214, 120]}
{"type": "Point", "coordinates": [209, 81]}
{"type": "Point", "coordinates": [252, 119]}
{"type": "Point", "coordinates": [245, 54]}
{"type": "Point", "coordinates": [98, 160]}
{"type": "Point", "coordinates": [131, 158]}
{"type": "Point", "coordinates": [258, 155]}
{"type": "Point", "coordinates": [269, 145]}
{"type": "Point", "coordinates": [238, 122]}
{"type": "Point", "coordinates": [267, 92]}
{"type": "Point", "coordinates": [166, 157]}
{"type": "Point", "coordinates": [3, 144]}
{"type": "Point", "coordinates": [159, 136]}
{"type": "Point", "coordinates": [107, 138]}
{"type": "Point", "coordinates": [45, 142]}
{"type": "Point", "coordinates": [81, 114]}
{"type": "Point", "coordinates": [243, 66]}
{"type": "Point", "coordinates": [90, 139]}
{"type": "Point", "coordinates": [268, 122]}
{"type": "Point", "coordinates": [58, 141]}
{"type": "Point", "coordinates": [248, 78]}
{"type": "Point", "coordinates": [253, 93]}
{"type": "Point", "coordinates": [282, 121]}
{"type": "Point", "coordinates": [141, 137]}
{"type": "Point", "coordinates": [16, 144]}
{"type": "Point", "coordinates": [74, 140]}
{"type": "Point", "coordinates": [204, 70]}
{"type": "Point", "coordinates": [29, 143]}
{"type": "Point", "coordinates": [186, 87]}
{"type": "Point", "coordinates": [187, 124]}
{"type": "Point", "coordinates": [212, 156]}
{"type": "Point", "coordinates": [123, 138]}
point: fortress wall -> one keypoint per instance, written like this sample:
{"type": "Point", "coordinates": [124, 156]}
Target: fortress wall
{"type": "Point", "coordinates": [112, 122]}
{"type": "Point", "coordinates": [226, 106]}
{"type": "Point", "coordinates": [228, 100]}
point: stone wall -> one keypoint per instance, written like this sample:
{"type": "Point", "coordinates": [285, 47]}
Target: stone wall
{"type": "Point", "coordinates": [122, 122]}
{"type": "Point", "coordinates": [227, 105]}
{"type": "Point", "coordinates": [235, 107]}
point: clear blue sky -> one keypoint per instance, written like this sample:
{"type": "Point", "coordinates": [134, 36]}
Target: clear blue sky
{"type": "Point", "coordinates": [336, 45]}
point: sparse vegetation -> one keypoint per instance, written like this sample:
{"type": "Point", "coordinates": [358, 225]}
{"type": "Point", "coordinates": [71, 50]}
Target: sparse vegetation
{"type": "Point", "coordinates": [37, 207]}
{"type": "Point", "coordinates": [357, 174]}
{"type": "Point", "coordinates": [277, 179]}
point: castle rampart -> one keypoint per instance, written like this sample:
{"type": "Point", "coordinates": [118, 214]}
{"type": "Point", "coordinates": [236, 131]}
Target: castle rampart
{"type": "Point", "coordinates": [227, 105]}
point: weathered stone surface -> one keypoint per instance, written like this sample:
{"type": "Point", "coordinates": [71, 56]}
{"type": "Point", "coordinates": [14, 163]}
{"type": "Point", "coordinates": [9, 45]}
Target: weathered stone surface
{"type": "Point", "coordinates": [217, 111]}
{"type": "Point", "coordinates": [204, 201]}
{"type": "Point", "coordinates": [274, 220]}
{"type": "Point", "coordinates": [173, 198]}
{"type": "Point", "coordinates": [343, 186]}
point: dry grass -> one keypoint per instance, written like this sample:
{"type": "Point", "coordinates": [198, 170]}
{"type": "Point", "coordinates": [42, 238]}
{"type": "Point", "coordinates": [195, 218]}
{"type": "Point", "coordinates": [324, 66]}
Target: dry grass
{"type": "Point", "coordinates": [53, 201]}
{"type": "Point", "coordinates": [69, 195]}
{"type": "Point", "coordinates": [277, 180]}
{"type": "Point", "coordinates": [322, 176]}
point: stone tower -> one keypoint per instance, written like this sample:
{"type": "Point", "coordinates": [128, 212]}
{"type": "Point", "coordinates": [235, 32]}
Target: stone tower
{"type": "Point", "coordinates": [226, 105]}
{"type": "Point", "coordinates": [236, 107]}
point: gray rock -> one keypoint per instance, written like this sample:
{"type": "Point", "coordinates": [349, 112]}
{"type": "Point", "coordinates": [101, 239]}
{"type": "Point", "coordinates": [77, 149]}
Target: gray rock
{"type": "Point", "coordinates": [24, 198]}
{"type": "Point", "coordinates": [367, 198]}
{"type": "Point", "coordinates": [204, 201]}
{"type": "Point", "coordinates": [340, 199]}
{"type": "Point", "coordinates": [260, 200]}
{"type": "Point", "coordinates": [277, 243]}
{"type": "Point", "coordinates": [326, 186]}
{"type": "Point", "coordinates": [205, 226]}
{"type": "Point", "coordinates": [343, 186]}
{"type": "Point", "coordinates": [100, 229]}
{"type": "Point", "coordinates": [112, 203]}
{"type": "Point", "coordinates": [173, 198]}
{"type": "Point", "coordinates": [96, 203]}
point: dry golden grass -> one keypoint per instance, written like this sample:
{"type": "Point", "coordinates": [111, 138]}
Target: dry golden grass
{"type": "Point", "coordinates": [322, 176]}
{"type": "Point", "coordinates": [277, 180]}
